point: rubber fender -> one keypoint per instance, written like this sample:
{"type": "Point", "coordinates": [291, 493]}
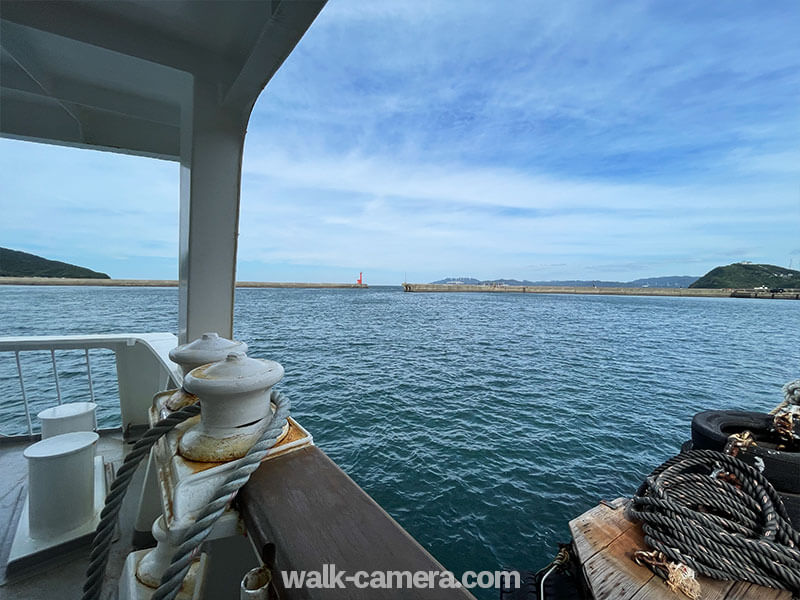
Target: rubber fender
{"type": "Point", "coordinates": [528, 589]}
{"type": "Point", "coordinates": [710, 431]}
{"type": "Point", "coordinates": [559, 585]}
{"type": "Point", "coordinates": [711, 428]}
{"type": "Point", "coordinates": [792, 504]}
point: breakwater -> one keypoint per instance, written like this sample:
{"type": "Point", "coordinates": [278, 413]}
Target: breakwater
{"type": "Point", "coordinates": [163, 283]}
{"type": "Point", "coordinates": [612, 291]}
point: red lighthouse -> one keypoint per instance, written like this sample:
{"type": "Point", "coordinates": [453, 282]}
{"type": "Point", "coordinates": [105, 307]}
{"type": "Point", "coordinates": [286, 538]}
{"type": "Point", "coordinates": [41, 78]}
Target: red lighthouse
{"type": "Point", "coordinates": [359, 282]}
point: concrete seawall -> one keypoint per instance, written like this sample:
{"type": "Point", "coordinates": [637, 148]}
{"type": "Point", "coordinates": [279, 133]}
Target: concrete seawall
{"type": "Point", "coordinates": [612, 291]}
{"type": "Point", "coordinates": [162, 283]}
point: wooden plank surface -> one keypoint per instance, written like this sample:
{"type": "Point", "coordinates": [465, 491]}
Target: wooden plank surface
{"type": "Point", "coordinates": [595, 529]}
{"type": "Point", "coordinates": [607, 569]}
{"type": "Point", "coordinates": [750, 591]}
{"type": "Point", "coordinates": [605, 540]}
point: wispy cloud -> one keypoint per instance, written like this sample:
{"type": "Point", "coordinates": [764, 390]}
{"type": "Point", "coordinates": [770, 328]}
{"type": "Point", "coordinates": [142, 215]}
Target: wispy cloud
{"type": "Point", "coordinates": [563, 140]}
{"type": "Point", "coordinates": [109, 212]}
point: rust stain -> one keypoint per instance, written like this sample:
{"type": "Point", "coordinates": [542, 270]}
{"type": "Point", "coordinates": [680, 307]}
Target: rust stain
{"type": "Point", "coordinates": [291, 434]}
{"type": "Point", "coordinates": [180, 399]}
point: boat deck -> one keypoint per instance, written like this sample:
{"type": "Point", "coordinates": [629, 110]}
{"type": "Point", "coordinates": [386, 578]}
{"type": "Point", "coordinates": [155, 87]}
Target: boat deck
{"type": "Point", "coordinates": [605, 540]}
{"type": "Point", "coordinates": [64, 572]}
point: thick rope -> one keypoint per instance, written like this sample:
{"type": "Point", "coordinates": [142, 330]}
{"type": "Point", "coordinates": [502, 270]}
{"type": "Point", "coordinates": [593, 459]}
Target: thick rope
{"type": "Point", "coordinates": [791, 392]}
{"type": "Point", "coordinates": [101, 544]}
{"type": "Point", "coordinates": [172, 579]}
{"type": "Point", "coordinates": [720, 517]}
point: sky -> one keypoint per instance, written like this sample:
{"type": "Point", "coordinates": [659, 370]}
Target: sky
{"type": "Point", "coordinates": [419, 140]}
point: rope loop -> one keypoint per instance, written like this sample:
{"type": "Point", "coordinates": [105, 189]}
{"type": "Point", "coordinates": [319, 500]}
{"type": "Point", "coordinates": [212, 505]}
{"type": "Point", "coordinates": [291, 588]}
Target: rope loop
{"type": "Point", "coordinates": [101, 543]}
{"type": "Point", "coordinates": [189, 545]}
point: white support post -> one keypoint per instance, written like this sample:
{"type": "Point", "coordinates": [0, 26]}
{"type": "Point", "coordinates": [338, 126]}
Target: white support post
{"type": "Point", "coordinates": [89, 374]}
{"type": "Point", "coordinates": [24, 395]}
{"type": "Point", "coordinates": [55, 373]}
{"type": "Point", "coordinates": [139, 378]}
{"type": "Point", "coordinates": [212, 141]}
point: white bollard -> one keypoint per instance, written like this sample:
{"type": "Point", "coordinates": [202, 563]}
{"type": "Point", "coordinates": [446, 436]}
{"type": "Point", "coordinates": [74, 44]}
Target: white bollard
{"type": "Point", "coordinates": [60, 483]}
{"type": "Point", "coordinates": [206, 349]}
{"type": "Point", "coordinates": [68, 418]}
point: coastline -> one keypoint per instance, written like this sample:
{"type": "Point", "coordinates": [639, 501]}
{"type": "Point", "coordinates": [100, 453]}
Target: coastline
{"type": "Point", "coordinates": [609, 291]}
{"type": "Point", "coordinates": [164, 283]}
{"type": "Point", "coordinates": [425, 287]}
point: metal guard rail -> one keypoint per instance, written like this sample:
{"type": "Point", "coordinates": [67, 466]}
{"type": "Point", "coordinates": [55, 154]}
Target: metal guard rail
{"type": "Point", "coordinates": [133, 351]}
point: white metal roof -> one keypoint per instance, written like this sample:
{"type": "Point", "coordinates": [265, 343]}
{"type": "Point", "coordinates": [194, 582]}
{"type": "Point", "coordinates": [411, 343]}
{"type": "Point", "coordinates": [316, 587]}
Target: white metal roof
{"type": "Point", "coordinates": [118, 74]}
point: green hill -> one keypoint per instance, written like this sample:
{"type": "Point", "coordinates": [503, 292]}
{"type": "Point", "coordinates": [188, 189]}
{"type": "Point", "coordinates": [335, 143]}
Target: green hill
{"type": "Point", "coordinates": [747, 275]}
{"type": "Point", "coordinates": [14, 263]}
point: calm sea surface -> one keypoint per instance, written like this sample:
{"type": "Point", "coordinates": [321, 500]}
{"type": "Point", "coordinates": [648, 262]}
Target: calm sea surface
{"type": "Point", "coordinates": [481, 422]}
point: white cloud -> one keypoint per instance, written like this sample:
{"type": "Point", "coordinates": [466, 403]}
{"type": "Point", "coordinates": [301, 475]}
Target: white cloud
{"type": "Point", "coordinates": [472, 137]}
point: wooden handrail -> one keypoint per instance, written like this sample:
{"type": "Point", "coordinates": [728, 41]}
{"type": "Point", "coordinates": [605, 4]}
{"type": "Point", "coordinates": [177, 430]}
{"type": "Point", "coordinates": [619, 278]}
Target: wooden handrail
{"type": "Point", "coordinates": [303, 511]}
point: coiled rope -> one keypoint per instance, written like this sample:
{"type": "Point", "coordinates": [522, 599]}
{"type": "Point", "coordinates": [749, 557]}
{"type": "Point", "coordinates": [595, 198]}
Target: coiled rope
{"type": "Point", "coordinates": [187, 549]}
{"type": "Point", "coordinates": [101, 544]}
{"type": "Point", "coordinates": [720, 517]}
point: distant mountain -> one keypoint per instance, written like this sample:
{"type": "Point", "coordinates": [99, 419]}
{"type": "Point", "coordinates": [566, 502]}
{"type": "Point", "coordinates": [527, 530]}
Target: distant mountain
{"type": "Point", "coordinates": [748, 275]}
{"type": "Point", "coordinates": [455, 280]}
{"type": "Point", "coordinates": [14, 263]}
{"type": "Point", "coordinates": [676, 281]}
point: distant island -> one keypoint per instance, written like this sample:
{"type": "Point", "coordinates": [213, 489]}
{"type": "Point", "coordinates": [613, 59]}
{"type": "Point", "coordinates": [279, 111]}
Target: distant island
{"type": "Point", "coordinates": [741, 275]}
{"type": "Point", "coordinates": [745, 275]}
{"type": "Point", "coordinates": [675, 281]}
{"type": "Point", "coordinates": [14, 263]}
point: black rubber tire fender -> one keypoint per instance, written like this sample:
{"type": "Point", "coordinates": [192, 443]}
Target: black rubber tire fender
{"type": "Point", "coordinates": [782, 469]}
{"type": "Point", "coordinates": [710, 431]}
{"type": "Point", "coordinates": [792, 504]}
{"type": "Point", "coordinates": [711, 428]}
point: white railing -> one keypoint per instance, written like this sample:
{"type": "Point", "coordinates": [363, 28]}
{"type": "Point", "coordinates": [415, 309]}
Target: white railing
{"type": "Point", "coordinates": [142, 364]}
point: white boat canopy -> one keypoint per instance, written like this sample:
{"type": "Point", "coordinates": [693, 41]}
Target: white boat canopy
{"type": "Point", "coordinates": [171, 79]}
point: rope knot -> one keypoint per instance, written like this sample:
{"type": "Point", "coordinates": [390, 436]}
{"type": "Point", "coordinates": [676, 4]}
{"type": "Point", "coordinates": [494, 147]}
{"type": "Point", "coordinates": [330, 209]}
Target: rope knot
{"type": "Point", "coordinates": [562, 557]}
{"type": "Point", "coordinates": [683, 579]}
{"type": "Point", "coordinates": [738, 442]}
{"type": "Point", "coordinates": [784, 425]}
{"type": "Point", "coordinates": [678, 576]}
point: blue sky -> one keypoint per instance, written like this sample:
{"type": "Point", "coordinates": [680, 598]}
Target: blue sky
{"type": "Point", "coordinates": [537, 140]}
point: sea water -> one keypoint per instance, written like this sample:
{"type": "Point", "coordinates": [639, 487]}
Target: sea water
{"type": "Point", "coordinates": [482, 423]}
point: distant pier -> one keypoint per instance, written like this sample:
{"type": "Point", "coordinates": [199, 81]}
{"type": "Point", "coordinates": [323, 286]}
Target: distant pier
{"type": "Point", "coordinates": [611, 291]}
{"type": "Point", "coordinates": [165, 283]}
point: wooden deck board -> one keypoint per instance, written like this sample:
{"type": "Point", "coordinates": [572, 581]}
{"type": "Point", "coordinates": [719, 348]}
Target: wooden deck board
{"type": "Point", "coordinates": [607, 569]}
{"type": "Point", "coordinates": [749, 591]}
{"type": "Point", "coordinates": [605, 540]}
{"type": "Point", "coordinates": [595, 529]}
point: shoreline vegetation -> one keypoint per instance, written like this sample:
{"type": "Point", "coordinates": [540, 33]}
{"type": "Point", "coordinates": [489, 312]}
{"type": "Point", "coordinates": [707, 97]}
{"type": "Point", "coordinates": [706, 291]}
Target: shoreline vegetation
{"type": "Point", "coordinates": [15, 263]}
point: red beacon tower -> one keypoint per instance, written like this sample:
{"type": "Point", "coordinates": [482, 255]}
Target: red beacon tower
{"type": "Point", "coordinates": [360, 282]}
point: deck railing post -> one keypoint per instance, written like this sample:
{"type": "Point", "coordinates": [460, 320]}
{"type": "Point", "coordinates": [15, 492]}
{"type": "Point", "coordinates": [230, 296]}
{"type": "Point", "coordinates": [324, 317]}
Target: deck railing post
{"type": "Point", "coordinates": [24, 396]}
{"type": "Point", "coordinates": [55, 373]}
{"type": "Point", "coordinates": [89, 374]}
